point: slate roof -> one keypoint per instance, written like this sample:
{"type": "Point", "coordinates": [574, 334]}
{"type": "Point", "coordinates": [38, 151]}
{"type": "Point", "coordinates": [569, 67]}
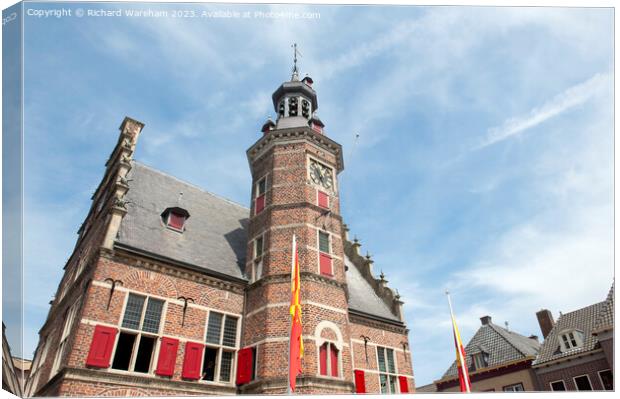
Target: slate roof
{"type": "Point", "coordinates": [215, 237]}
{"type": "Point", "coordinates": [583, 320]}
{"type": "Point", "coordinates": [362, 297]}
{"type": "Point", "coordinates": [502, 345]}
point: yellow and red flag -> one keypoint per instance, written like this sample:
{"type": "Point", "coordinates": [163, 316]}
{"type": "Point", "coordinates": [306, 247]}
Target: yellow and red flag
{"type": "Point", "coordinates": [461, 362]}
{"type": "Point", "coordinates": [296, 348]}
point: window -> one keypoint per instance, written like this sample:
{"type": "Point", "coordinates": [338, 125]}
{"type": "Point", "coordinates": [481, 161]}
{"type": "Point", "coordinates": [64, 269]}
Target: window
{"type": "Point", "coordinates": [41, 355]}
{"type": "Point", "coordinates": [292, 106]}
{"type": "Point", "coordinates": [62, 346]}
{"type": "Point", "coordinates": [261, 188]}
{"type": "Point", "coordinates": [323, 242]}
{"type": "Point", "coordinates": [607, 379]}
{"type": "Point", "coordinates": [570, 339]}
{"type": "Point", "coordinates": [513, 388]}
{"type": "Point", "coordinates": [583, 383]}
{"type": "Point", "coordinates": [480, 360]}
{"type": "Point", "coordinates": [387, 370]}
{"type": "Point", "coordinates": [258, 247]}
{"type": "Point", "coordinates": [139, 334]}
{"type": "Point", "coordinates": [323, 199]}
{"type": "Point", "coordinates": [221, 343]}
{"type": "Point", "coordinates": [558, 386]}
{"type": "Point", "coordinates": [176, 221]}
{"type": "Point", "coordinates": [328, 360]}
{"type": "Point", "coordinates": [325, 260]}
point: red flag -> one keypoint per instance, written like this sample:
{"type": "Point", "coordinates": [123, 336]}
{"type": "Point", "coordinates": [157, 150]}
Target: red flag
{"type": "Point", "coordinates": [461, 363]}
{"type": "Point", "coordinates": [296, 346]}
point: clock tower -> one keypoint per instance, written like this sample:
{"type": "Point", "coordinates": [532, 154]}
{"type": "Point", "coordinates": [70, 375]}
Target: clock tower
{"type": "Point", "coordinates": [294, 169]}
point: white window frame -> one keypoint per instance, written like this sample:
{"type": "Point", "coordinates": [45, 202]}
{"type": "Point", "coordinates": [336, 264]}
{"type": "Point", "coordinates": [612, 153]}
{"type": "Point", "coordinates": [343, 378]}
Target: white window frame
{"type": "Point", "coordinates": [257, 261]}
{"type": "Point", "coordinates": [567, 345]}
{"type": "Point", "coordinates": [553, 382]}
{"type": "Point", "coordinates": [601, 378]}
{"type": "Point", "coordinates": [138, 333]}
{"type": "Point", "coordinates": [589, 382]}
{"type": "Point", "coordinates": [64, 337]}
{"type": "Point", "coordinates": [220, 349]}
{"type": "Point", "coordinates": [478, 359]}
{"type": "Point", "coordinates": [318, 247]}
{"type": "Point", "coordinates": [510, 388]}
{"type": "Point", "coordinates": [387, 373]}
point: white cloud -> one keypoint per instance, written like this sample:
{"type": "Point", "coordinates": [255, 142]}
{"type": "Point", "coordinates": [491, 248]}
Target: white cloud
{"type": "Point", "coordinates": [568, 99]}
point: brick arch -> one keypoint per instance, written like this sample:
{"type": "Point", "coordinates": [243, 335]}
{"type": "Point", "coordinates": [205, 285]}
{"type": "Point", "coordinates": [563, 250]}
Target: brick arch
{"type": "Point", "coordinates": [328, 331]}
{"type": "Point", "coordinates": [150, 282]}
{"type": "Point", "coordinates": [126, 392]}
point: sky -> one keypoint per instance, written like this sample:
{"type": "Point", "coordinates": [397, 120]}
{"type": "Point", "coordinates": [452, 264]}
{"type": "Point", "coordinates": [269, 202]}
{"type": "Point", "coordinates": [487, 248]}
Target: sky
{"type": "Point", "coordinates": [483, 162]}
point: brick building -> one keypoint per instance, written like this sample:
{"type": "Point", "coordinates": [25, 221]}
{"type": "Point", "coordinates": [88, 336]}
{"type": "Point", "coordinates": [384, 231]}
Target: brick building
{"type": "Point", "coordinates": [497, 359]}
{"type": "Point", "coordinates": [172, 290]}
{"type": "Point", "coordinates": [577, 354]}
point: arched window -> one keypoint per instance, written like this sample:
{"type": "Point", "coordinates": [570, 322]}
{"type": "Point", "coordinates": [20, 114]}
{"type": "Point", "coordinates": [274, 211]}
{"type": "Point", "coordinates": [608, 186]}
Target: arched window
{"type": "Point", "coordinates": [329, 343]}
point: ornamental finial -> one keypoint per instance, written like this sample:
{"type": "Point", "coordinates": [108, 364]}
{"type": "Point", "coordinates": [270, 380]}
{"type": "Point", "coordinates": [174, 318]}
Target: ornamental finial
{"type": "Point", "coordinates": [295, 76]}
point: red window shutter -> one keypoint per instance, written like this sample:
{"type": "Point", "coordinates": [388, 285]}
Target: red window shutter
{"type": "Point", "coordinates": [101, 347]}
{"type": "Point", "coordinates": [333, 354]}
{"type": "Point", "coordinates": [360, 381]}
{"type": "Point", "coordinates": [192, 360]}
{"type": "Point", "coordinates": [326, 264]}
{"type": "Point", "coordinates": [323, 200]}
{"type": "Point", "coordinates": [167, 356]}
{"type": "Point", "coordinates": [245, 364]}
{"type": "Point", "coordinates": [260, 203]}
{"type": "Point", "coordinates": [176, 221]}
{"type": "Point", "coordinates": [323, 359]}
{"type": "Point", "coordinates": [404, 385]}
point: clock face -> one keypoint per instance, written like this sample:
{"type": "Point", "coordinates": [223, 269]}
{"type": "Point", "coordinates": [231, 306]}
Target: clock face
{"type": "Point", "coordinates": [321, 175]}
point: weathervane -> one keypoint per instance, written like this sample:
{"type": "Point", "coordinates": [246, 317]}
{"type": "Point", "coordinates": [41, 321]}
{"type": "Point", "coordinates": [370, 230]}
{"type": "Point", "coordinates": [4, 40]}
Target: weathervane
{"type": "Point", "coordinates": [295, 70]}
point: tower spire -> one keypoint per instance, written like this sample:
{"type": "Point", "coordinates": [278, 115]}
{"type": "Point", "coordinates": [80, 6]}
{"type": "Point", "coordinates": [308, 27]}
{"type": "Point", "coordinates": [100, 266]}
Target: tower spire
{"type": "Point", "coordinates": [295, 76]}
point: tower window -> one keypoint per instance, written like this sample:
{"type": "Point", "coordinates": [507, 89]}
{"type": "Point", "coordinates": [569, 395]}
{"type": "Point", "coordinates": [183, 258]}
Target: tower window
{"type": "Point", "coordinates": [305, 108]}
{"type": "Point", "coordinates": [261, 188]}
{"type": "Point", "coordinates": [328, 360]}
{"type": "Point", "coordinates": [292, 106]}
{"type": "Point", "coordinates": [323, 242]}
{"type": "Point", "coordinates": [281, 109]}
{"type": "Point", "coordinates": [325, 260]}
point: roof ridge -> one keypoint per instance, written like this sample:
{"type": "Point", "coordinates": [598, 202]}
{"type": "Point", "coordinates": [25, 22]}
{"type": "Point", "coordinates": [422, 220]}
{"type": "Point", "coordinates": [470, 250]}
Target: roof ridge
{"type": "Point", "coordinates": [188, 184]}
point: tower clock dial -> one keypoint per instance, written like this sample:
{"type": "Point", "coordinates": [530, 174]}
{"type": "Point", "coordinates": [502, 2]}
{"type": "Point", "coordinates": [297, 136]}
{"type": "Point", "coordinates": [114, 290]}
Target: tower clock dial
{"type": "Point", "coordinates": [321, 175]}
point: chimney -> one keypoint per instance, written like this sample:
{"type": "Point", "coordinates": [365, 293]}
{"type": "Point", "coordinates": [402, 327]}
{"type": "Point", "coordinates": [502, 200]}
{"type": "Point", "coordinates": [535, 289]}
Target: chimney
{"type": "Point", "coordinates": [485, 320]}
{"type": "Point", "coordinates": [546, 322]}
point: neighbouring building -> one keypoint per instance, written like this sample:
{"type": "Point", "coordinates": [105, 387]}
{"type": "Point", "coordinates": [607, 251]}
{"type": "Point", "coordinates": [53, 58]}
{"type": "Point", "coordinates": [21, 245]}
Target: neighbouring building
{"type": "Point", "coordinates": [11, 378]}
{"type": "Point", "coordinates": [577, 354]}
{"type": "Point", "coordinates": [172, 290]}
{"type": "Point", "coordinates": [497, 360]}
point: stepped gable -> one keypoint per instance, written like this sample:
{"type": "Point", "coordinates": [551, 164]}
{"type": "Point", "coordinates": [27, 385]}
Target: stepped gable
{"type": "Point", "coordinates": [368, 294]}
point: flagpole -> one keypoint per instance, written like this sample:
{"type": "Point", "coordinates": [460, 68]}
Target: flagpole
{"type": "Point", "coordinates": [462, 363]}
{"type": "Point", "coordinates": [290, 328]}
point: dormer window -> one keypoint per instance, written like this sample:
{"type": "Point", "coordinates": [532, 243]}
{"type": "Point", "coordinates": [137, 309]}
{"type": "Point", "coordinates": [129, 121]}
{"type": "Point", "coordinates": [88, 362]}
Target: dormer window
{"type": "Point", "coordinates": [570, 339]}
{"type": "Point", "coordinates": [175, 218]}
{"type": "Point", "coordinates": [480, 360]}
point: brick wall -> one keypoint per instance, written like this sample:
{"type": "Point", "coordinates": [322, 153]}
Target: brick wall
{"type": "Point", "coordinates": [569, 369]}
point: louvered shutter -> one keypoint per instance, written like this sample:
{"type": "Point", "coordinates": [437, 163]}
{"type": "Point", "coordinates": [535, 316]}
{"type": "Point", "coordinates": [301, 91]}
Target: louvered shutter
{"type": "Point", "coordinates": [326, 264]}
{"type": "Point", "coordinates": [404, 386]}
{"type": "Point", "coordinates": [260, 203]}
{"type": "Point", "coordinates": [167, 356]}
{"type": "Point", "coordinates": [323, 359]}
{"type": "Point", "coordinates": [192, 360]}
{"type": "Point", "coordinates": [323, 200]}
{"type": "Point", "coordinates": [333, 355]}
{"type": "Point", "coordinates": [360, 381]}
{"type": "Point", "coordinates": [101, 347]}
{"type": "Point", "coordinates": [245, 364]}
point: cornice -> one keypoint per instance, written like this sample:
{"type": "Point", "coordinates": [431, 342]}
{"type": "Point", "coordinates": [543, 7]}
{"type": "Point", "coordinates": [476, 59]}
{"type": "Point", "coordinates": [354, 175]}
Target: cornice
{"type": "Point", "coordinates": [279, 136]}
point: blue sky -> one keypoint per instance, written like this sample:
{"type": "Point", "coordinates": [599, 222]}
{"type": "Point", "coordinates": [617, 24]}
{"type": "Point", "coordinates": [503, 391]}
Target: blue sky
{"type": "Point", "coordinates": [484, 162]}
